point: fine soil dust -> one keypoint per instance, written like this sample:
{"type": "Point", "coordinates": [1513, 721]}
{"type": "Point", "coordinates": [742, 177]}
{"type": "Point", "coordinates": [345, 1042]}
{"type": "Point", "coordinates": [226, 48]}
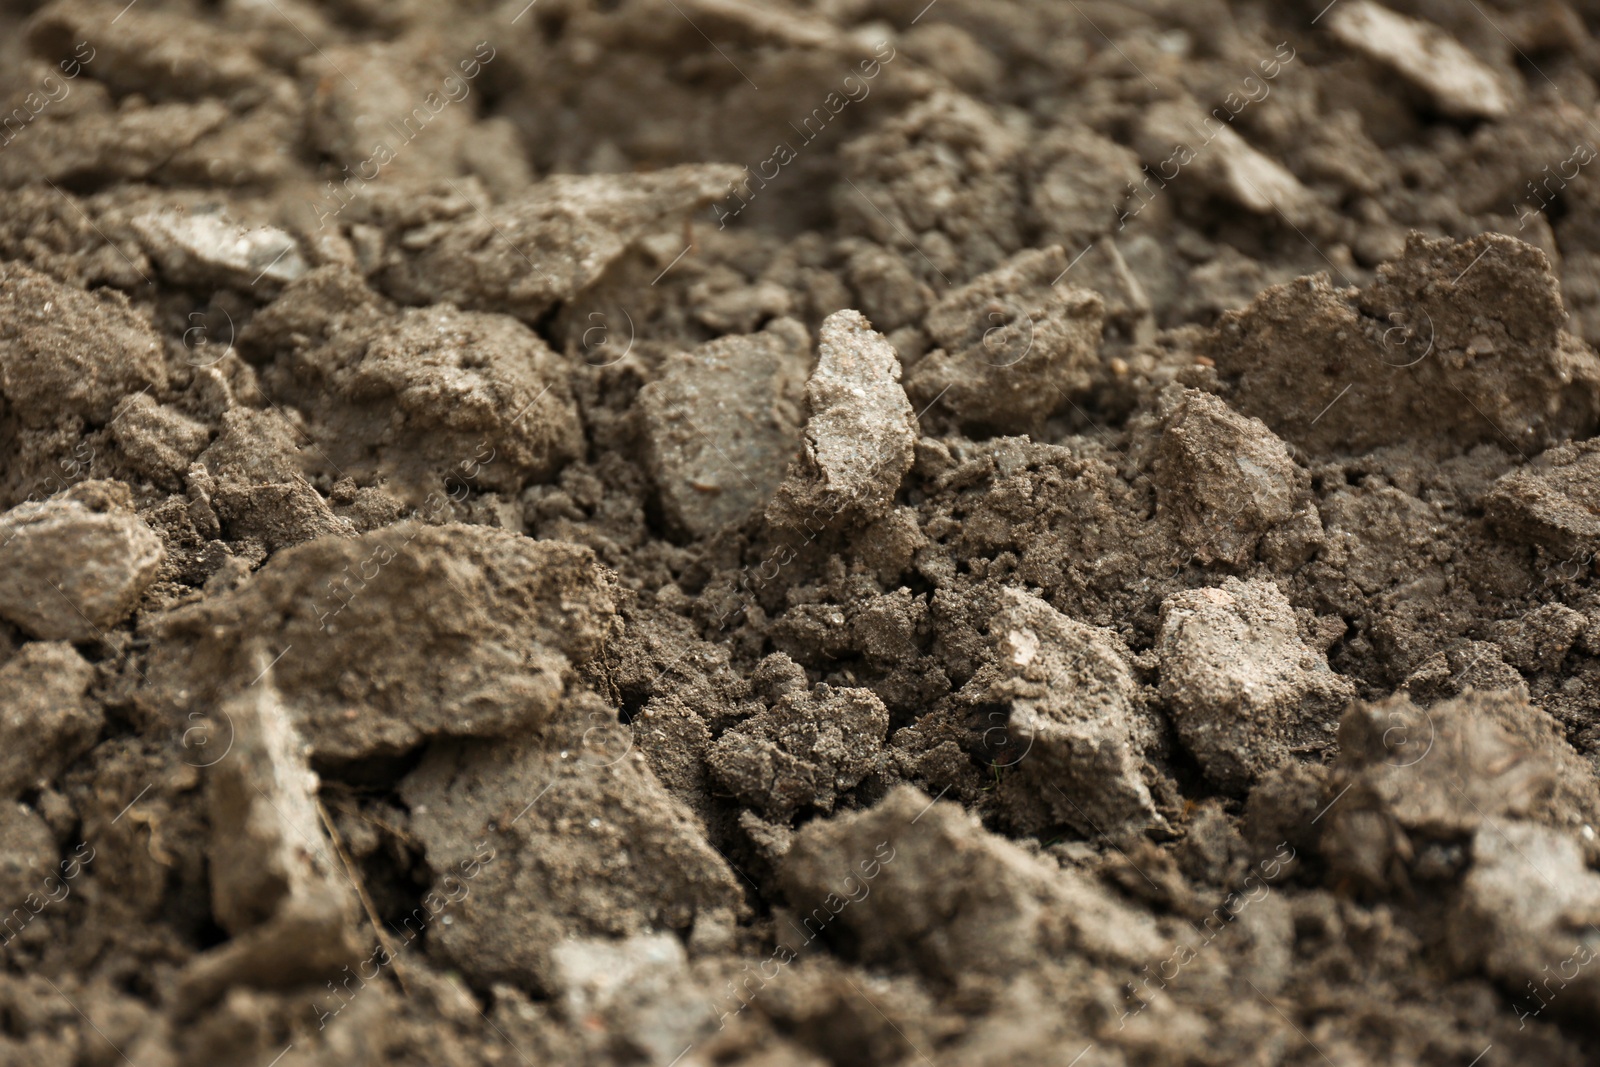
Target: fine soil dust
{"type": "Point", "coordinates": [828, 533]}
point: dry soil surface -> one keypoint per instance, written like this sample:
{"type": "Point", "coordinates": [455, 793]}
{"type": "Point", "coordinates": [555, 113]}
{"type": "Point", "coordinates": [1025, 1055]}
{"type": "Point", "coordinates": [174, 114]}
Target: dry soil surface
{"type": "Point", "coordinates": [820, 534]}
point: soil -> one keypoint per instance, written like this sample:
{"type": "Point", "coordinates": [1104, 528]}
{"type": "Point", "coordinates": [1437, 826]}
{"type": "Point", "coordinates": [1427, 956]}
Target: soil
{"type": "Point", "coordinates": [812, 534]}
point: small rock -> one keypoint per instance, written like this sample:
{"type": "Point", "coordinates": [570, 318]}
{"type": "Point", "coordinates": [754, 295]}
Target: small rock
{"type": "Point", "coordinates": [75, 565]}
{"type": "Point", "coordinates": [919, 883]}
{"type": "Point", "coordinates": [1180, 134]}
{"type": "Point", "coordinates": [1223, 480]}
{"type": "Point", "coordinates": [205, 247]}
{"type": "Point", "coordinates": [46, 717]}
{"type": "Point", "coordinates": [1078, 727]}
{"type": "Point", "coordinates": [803, 751]}
{"type": "Point", "coordinates": [1245, 690]}
{"type": "Point", "coordinates": [1526, 916]}
{"type": "Point", "coordinates": [397, 635]}
{"type": "Point", "coordinates": [580, 841]}
{"type": "Point", "coordinates": [158, 440]}
{"type": "Point", "coordinates": [639, 988]}
{"type": "Point", "coordinates": [1554, 500]}
{"type": "Point", "coordinates": [550, 243]}
{"type": "Point", "coordinates": [1015, 344]}
{"type": "Point", "coordinates": [859, 437]}
{"type": "Point", "coordinates": [67, 352]}
{"type": "Point", "coordinates": [1414, 780]}
{"type": "Point", "coordinates": [1460, 84]}
{"type": "Point", "coordinates": [275, 886]}
{"type": "Point", "coordinates": [723, 421]}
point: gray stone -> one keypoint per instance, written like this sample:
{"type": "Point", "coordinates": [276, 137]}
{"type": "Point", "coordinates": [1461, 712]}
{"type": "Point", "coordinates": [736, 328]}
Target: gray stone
{"type": "Point", "coordinates": [205, 247]}
{"type": "Point", "coordinates": [1077, 726]}
{"type": "Point", "coordinates": [1245, 690]}
{"type": "Point", "coordinates": [859, 436]}
{"type": "Point", "coordinates": [46, 717]}
{"type": "Point", "coordinates": [722, 423]}
{"type": "Point", "coordinates": [75, 565]}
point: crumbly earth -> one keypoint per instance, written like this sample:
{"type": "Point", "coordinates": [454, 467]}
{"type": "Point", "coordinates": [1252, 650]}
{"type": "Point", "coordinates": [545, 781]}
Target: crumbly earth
{"type": "Point", "coordinates": [799, 533]}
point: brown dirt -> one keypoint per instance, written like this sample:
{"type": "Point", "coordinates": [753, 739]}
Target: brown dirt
{"type": "Point", "coordinates": [848, 532]}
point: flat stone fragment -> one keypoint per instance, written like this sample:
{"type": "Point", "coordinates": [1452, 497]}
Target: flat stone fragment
{"type": "Point", "coordinates": [860, 435]}
{"type": "Point", "coordinates": [64, 351]}
{"type": "Point", "coordinates": [1214, 153]}
{"type": "Point", "coordinates": [1223, 480]}
{"type": "Point", "coordinates": [1460, 84]}
{"type": "Point", "coordinates": [919, 883]}
{"type": "Point", "coordinates": [75, 565]}
{"type": "Point", "coordinates": [1014, 344]}
{"type": "Point", "coordinates": [580, 841]}
{"type": "Point", "coordinates": [1244, 689]}
{"type": "Point", "coordinates": [1418, 782]}
{"type": "Point", "coordinates": [549, 244]}
{"type": "Point", "coordinates": [274, 884]}
{"type": "Point", "coordinates": [1554, 500]}
{"type": "Point", "coordinates": [723, 421]}
{"type": "Point", "coordinates": [47, 719]}
{"type": "Point", "coordinates": [394, 636]}
{"type": "Point", "coordinates": [202, 247]}
{"type": "Point", "coordinates": [803, 751]}
{"type": "Point", "coordinates": [1078, 727]}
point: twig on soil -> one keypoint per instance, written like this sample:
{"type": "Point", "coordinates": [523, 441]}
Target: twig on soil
{"type": "Point", "coordinates": [361, 892]}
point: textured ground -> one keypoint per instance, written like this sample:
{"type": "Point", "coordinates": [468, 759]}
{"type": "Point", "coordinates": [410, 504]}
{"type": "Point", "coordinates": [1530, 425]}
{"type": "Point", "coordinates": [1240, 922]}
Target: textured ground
{"type": "Point", "coordinates": [860, 532]}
